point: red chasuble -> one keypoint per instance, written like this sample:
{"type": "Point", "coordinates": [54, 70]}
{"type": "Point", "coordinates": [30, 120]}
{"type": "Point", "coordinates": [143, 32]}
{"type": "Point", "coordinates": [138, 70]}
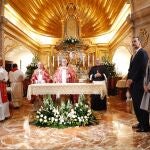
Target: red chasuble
{"type": "Point", "coordinates": [3, 92]}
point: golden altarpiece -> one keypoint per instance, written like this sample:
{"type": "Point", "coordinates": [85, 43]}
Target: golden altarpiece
{"type": "Point", "coordinates": [72, 46]}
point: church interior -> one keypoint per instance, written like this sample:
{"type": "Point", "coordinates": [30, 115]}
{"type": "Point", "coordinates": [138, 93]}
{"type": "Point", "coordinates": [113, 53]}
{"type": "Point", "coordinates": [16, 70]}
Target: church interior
{"type": "Point", "coordinates": [80, 31]}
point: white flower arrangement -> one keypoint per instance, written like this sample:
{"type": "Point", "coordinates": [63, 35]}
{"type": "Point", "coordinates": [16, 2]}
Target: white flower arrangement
{"type": "Point", "coordinates": [66, 115]}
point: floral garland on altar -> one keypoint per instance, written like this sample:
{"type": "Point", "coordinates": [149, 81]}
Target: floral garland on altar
{"type": "Point", "coordinates": [50, 115]}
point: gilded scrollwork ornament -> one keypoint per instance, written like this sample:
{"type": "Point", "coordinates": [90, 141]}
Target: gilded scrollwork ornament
{"type": "Point", "coordinates": [144, 36]}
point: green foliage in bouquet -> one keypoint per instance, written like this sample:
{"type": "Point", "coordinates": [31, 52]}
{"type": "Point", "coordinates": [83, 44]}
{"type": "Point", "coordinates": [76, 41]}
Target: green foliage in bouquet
{"type": "Point", "coordinates": [110, 67]}
{"type": "Point", "coordinates": [71, 40]}
{"type": "Point", "coordinates": [67, 115]}
{"type": "Point", "coordinates": [31, 67]}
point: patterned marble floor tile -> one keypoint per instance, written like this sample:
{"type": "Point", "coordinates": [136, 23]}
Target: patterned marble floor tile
{"type": "Point", "coordinates": [113, 132]}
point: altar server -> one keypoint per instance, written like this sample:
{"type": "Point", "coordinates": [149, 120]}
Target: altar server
{"type": "Point", "coordinates": [16, 78]}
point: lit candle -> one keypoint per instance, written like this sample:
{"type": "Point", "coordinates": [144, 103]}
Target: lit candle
{"type": "Point", "coordinates": [93, 59]}
{"type": "Point", "coordinates": [53, 60]}
{"type": "Point", "coordinates": [58, 60]}
{"type": "Point", "coordinates": [83, 61]}
{"type": "Point", "coordinates": [88, 60]}
{"type": "Point", "coordinates": [48, 63]}
{"type": "Point", "coordinates": [20, 64]}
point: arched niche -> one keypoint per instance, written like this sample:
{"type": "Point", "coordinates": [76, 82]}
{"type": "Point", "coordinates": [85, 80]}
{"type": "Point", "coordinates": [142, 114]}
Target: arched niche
{"type": "Point", "coordinates": [121, 58]}
{"type": "Point", "coordinates": [20, 55]}
{"type": "Point", "coordinates": [71, 27]}
{"type": "Point", "coordinates": [71, 22]}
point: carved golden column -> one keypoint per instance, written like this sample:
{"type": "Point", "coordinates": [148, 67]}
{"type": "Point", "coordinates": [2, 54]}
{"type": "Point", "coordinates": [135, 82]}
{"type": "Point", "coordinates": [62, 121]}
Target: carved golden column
{"type": "Point", "coordinates": [79, 29]}
{"type": "Point", "coordinates": [2, 20]}
{"type": "Point", "coordinates": [63, 30]}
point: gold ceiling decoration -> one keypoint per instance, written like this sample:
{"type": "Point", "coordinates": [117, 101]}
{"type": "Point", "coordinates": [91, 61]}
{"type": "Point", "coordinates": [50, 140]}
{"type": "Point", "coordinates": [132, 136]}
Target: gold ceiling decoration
{"type": "Point", "coordinates": [45, 16]}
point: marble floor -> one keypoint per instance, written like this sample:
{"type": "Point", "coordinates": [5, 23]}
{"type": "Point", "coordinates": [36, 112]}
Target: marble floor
{"type": "Point", "coordinates": [113, 132]}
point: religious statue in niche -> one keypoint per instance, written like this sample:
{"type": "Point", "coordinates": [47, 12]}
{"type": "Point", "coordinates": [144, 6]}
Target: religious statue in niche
{"type": "Point", "coordinates": [71, 24]}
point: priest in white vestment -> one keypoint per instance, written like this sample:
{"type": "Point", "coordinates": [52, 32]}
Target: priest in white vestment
{"type": "Point", "coordinates": [4, 104]}
{"type": "Point", "coordinates": [16, 78]}
{"type": "Point", "coordinates": [65, 74]}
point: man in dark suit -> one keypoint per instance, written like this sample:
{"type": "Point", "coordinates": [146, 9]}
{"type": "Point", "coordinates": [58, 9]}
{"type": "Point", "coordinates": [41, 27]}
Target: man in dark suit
{"type": "Point", "coordinates": [98, 73]}
{"type": "Point", "coordinates": [135, 79]}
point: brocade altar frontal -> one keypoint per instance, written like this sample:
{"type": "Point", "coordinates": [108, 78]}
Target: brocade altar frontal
{"type": "Point", "coordinates": [67, 88]}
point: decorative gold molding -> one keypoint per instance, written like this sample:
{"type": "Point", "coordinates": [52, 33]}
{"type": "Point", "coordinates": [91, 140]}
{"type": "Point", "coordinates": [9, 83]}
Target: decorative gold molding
{"type": "Point", "coordinates": [144, 36]}
{"type": "Point", "coordinates": [9, 44]}
{"type": "Point", "coordinates": [140, 13]}
{"type": "Point", "coordinates": [3, 20]}
{"type": "Point", "coordinates": [17, 34]}
{"type": "Point", "coordinates": [124, 31]}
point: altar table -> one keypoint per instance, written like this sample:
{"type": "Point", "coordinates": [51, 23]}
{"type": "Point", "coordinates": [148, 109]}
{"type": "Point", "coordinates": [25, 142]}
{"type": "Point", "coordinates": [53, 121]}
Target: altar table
{"type": "Point", "coordinates": [67, 88]}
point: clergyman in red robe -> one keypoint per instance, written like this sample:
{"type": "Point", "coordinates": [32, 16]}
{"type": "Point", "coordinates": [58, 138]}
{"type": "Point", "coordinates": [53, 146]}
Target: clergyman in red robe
{"type": "Point", "coordinates": [4, 104]}
{"type": "Point", "coordinates": [40, 75]}
{"type": "Point", "coordinates": [65, 74]}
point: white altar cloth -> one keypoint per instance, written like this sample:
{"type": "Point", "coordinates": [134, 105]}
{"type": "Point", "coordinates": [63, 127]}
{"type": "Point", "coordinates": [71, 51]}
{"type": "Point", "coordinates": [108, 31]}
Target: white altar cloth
{"type": "Point", "coordinates": [67, 88]}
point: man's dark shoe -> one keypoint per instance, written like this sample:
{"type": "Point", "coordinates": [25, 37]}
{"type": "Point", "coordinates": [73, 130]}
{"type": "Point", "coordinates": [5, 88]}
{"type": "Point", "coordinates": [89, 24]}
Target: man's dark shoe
{"type": "Point", "coordinates": [143, 130]}
{"type": "Point", "coordinates": [136, 126]}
